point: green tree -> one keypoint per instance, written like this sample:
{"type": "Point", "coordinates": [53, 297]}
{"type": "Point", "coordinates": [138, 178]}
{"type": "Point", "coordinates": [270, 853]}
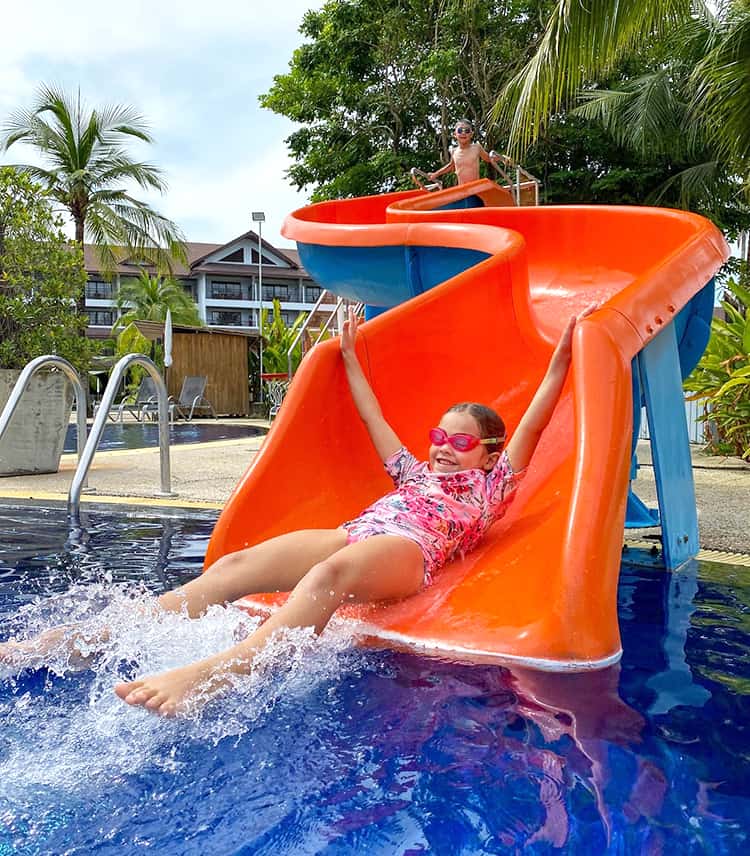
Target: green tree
{"type": "Point", "coordinates": [87, 164]}
{"type": "Point", "coordinates": [41, 273]}
{"type": "Point", "coordinates": [379, 84]}
{"type": "Point", "coordinates": [583, 42]}
{"type": "Point", "coordinates": [147, 298]}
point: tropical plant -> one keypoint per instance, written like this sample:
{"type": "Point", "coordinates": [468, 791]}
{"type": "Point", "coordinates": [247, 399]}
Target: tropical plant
{"type": "Point", "coordinates": [650, 115]}
{"type": "Point", "coordinates": [87, 165]}
{"type": "Point", "coordinates": [41, 273]}
{"type": "Point", "coordinates": [583, 42]}
{"type": "Point", "coordinates": [147, 298]}
{"type": "Point", "coordinates": [721, 380]}
{"type": "Point", "coordinates": [278, 338]}
{"type": "Point", "coordinates": [130, 340]}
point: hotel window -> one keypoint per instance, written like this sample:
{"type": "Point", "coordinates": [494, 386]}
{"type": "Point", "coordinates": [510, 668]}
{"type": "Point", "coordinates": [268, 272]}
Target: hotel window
{"type": "Point", "coordinates": [226, 290]}
{"type": "Point", "coordinates": [312, 293]}
{"type": "Point", "coordinates": [289, 317]}
{"type": "Point", "coordinates": [276, 292]}
{"type": "Point", "coordinates": [225, 319]}
{"type": "Point", "coordinates": [101, 318]}
{"type": "Point", "coordinates": [98, 290]}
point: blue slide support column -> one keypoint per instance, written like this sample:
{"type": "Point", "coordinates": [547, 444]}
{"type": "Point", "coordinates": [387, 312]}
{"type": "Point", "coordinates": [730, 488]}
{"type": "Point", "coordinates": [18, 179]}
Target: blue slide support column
{"type": "Point", "coordinates": [661, 380]}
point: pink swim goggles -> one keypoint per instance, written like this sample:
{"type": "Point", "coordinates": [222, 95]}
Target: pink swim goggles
{"type": "Point", "coordinates": [460, 442]}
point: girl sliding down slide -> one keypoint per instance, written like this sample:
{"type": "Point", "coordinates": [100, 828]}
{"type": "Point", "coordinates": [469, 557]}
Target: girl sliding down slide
{"type": "Point", "coordinates": [440, 508]}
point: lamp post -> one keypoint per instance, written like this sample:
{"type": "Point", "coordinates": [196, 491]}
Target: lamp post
{"type": "Point", "coordinates": [259, 217]}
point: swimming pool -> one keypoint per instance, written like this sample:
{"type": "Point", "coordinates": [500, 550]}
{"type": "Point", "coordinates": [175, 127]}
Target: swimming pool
{"type": "Point", "coordinates": [137, 435]}
{"type": "Point", "coordinates": [350, 750]}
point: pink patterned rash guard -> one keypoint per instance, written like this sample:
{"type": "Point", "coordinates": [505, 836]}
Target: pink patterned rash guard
{"type": "Point", "coordinates": [446, 514]}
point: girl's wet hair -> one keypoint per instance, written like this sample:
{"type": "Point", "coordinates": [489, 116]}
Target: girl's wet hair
{"type": "Point", "coordinates": [490, 424]}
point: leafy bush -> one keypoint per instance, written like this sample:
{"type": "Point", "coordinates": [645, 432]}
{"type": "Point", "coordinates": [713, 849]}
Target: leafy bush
{"type": "Point", "coordinates": [721, 379]}
{"type": "Point", "coordinates": [41, 278]}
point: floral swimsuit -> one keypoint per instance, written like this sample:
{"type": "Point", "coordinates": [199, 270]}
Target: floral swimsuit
{"type": "Point", "coordinates": [446, 514]}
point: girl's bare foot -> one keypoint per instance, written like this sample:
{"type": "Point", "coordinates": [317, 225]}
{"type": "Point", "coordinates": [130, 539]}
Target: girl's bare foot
{"type": "Point", "coordinates": [31, 653]}
{"type": "Point", "coordinates": [168, 693]}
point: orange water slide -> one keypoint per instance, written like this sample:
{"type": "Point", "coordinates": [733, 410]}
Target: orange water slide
{"type": "Point", "coordinates": [542, 588]}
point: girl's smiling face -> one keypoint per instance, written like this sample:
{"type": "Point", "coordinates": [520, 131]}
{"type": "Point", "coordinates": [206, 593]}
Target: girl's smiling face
{"type": "Point", "coordinates": [446, 459]}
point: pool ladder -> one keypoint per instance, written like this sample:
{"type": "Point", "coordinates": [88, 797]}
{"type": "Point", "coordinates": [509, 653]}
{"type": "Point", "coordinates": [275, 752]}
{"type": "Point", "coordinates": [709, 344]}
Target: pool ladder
{"type": "Point", "coordinates": [87, 445]}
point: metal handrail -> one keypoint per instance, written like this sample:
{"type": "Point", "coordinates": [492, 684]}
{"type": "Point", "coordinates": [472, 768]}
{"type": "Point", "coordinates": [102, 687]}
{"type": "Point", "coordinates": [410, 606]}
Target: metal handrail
{"type": "Point", "coordinates": [515, 186]}
{"type": "Point", "coordinates": [418, 174]}
{"type": "Point", "coordinates": [323, 329]}
{"type": "Point", "coordinates": [118, 372]}
{"type": "Point", "coordinates": [301, 332]}
{"type": "Point", "coordinates": [29, 370]}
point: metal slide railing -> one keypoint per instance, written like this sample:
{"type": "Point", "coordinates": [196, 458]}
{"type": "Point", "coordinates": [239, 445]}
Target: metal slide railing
{"type": "Point", "coordinates": [524, 187]}
{"type": "Point", "coordinates": [323, 330]}
{"type": "Point", "coordinates": [523, 182]}
{"type": "Point", "coordinates": [118, 372]}
{"type": "Point", "coordinates": [29, 370]}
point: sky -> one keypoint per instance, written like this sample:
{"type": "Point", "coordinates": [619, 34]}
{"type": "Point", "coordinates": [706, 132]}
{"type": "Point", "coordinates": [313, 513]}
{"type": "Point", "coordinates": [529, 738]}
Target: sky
{"type": "Point", "coordinates": [194, 70]}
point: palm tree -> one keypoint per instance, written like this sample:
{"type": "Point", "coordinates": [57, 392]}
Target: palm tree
{"type": "Point", "coordinates": [87, 165]}
{"type": "Point", "coordinates": [653, 115]}
{"type": "Point", "coordinates": [583, 41]}
{"type": "Point", "coordinates": [147, 298]}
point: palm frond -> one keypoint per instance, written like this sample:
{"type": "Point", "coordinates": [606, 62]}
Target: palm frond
{"type": "Point", "coordinates": [695, 182]}
{"type": "Point", "coordinates": [722, 88]}
{"type": "Point", "coordinates": [645, 115]}
{"type": "Point", "coordinates": [581, 41]}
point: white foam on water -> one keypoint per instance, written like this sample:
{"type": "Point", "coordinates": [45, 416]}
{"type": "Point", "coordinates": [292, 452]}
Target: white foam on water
{"type": "Point", "coordinates": [74, 735]}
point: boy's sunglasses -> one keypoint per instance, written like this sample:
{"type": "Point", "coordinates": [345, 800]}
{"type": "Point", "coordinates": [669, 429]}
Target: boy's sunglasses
{"type": "Point", "coordinates": [460, 442]}
{"type": "Point", "coordinates": [463, 130]}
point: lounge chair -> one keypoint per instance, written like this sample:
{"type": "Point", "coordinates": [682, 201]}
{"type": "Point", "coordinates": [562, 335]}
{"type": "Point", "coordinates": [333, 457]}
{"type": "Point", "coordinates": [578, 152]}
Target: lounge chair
{"type": "Point", "coordinates": [145, 399]}
{"type": "Point", "coordinates": [191, 399]}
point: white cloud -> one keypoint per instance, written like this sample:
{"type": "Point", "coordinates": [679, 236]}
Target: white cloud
{"type": "Point", "coordinates": [194, 70]}
{"type": "Point", "coordinates": [216, 206]}
{"type": "Point", "coordinates": [89, 30]}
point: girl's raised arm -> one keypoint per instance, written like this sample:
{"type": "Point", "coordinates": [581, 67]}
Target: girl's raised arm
{"type": "Point", "coordinates": [534, 421]}
{"type": "Point", "coordinates": [383, 437]}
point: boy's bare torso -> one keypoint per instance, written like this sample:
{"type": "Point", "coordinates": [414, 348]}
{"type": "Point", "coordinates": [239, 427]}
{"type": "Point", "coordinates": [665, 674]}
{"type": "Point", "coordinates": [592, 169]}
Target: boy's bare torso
{"type": "Point", "coordinates": [466, 162]}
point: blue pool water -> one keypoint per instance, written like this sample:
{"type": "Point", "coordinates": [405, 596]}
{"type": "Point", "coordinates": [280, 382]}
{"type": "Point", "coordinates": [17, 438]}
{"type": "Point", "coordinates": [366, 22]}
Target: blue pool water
{"type": "Point", "coordinates": [137, 435]}
{"type": "Point", "coordinates": [338, 750]}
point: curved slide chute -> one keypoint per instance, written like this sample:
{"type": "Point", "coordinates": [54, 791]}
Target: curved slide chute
{"type": "Point", "coordinates": [477, 297]}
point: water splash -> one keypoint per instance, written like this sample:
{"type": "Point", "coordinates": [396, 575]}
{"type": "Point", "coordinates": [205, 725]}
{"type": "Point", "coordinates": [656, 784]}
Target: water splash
{"type": "Point", "coordinates": [79, 735]}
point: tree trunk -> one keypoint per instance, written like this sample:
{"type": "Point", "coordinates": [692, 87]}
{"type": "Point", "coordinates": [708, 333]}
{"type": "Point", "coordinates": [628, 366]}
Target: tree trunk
{"type": "Point", "coordinates": [81, 299]}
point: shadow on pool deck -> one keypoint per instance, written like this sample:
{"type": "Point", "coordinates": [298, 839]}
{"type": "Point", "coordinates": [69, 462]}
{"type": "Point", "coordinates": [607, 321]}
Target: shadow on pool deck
{"type": "Point", "coordinates": [205, 474]}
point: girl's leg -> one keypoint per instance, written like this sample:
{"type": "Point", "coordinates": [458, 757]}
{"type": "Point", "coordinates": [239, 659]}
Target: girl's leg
{"type": "Point", "coordinates": [383, 567]}
{"type": "Point", "coordinates": [274, 565]}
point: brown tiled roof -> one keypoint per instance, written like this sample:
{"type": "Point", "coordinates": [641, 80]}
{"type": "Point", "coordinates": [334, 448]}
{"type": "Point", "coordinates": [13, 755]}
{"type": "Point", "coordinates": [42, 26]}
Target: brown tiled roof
{"type": "Point", "coordinates": [197, 252]}
{"type": "Point", "coordinates": [293, 254]}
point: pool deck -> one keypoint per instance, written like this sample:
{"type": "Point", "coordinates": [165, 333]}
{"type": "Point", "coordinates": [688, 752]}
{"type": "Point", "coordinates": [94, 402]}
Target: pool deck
{"type": "Point", "coordinates": [204, 475]}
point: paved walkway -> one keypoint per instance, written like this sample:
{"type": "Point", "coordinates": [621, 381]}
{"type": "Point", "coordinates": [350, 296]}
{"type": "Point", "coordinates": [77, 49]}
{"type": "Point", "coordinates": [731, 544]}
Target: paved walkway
{"type": "Point", "coordinates": [722, 492]}
{"type": "Point", "coordinates": [204, 475]}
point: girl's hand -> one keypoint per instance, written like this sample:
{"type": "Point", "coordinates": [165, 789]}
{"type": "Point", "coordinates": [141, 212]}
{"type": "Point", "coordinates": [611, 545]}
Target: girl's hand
{"type": "Point", "coordinates": [349, 332]}
{"type": "Point", "coordinates": [563, 349]}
